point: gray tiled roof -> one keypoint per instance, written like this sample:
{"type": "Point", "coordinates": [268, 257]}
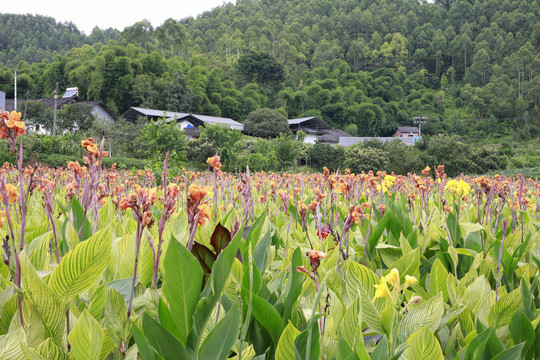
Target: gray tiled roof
{"type": "Point", "coordinates": [408, 129]}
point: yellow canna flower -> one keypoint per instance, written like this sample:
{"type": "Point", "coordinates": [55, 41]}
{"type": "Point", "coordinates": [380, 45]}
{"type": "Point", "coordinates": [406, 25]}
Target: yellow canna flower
{"type": "Point", "coordinates": [382, 290]}
{"type": "Point", "coordinates": [409, 280]}
{"type": "Point", "coordinates": [393, 278]}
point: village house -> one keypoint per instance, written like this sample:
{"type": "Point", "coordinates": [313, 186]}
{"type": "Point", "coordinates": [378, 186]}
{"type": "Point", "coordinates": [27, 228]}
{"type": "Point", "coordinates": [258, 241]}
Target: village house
{"type": "Point", "coordinates": [190, 123]}
{"type": "Point", "coordinates": [316, 130]}
{"type": "Point", "coordinates": [407, 131]}
{"type": "Point", "coordinates": [98, 108]}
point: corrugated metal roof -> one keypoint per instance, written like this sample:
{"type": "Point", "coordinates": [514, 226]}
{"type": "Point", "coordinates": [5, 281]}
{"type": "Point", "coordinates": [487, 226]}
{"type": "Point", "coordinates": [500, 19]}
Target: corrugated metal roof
{"type": "Point", "coordinates": [160, 113]}
{"type": "Point", "coordinates": [300, 120]}
{"type": "Point", "coordinates": [219, 120]}
{"type": "Point", "coordinates": [408, 129]}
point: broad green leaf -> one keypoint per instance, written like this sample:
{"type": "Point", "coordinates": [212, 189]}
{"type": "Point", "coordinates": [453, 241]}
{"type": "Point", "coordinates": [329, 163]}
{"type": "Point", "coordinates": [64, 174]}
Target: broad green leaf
{"type": "Point", "coordinates": [86, 338]}
{"type": "Point", "coordinates": [46, 302]}
{"type": "Point", "coordinates": [427, 314]}
{"type": "Point", "coordinates": [212, 291]}
{"type": "Point", "coordinates": [143, 348]}
{"type": "Point", "coordinates": [80, 218]}
{"type": "Point", "coordinates": [222, 337]}
{"type": "Point", "coordinates": [108, 346]}
{"type": "Point", "coordinates": [294, 285]}
{"type": "Point", "coordinates": [357, 276]}
{"type": "Point", "coordinates": [476, 293]}
{"type": "Point", "coordinates": [82, 266]}
{"type": "Point", "coordinates": [510, 354]}
{"type": "Point", "coordinates": [268, 317]}
{"type": "Point", "coordinates": [437, 279]}
{"type": "Point", "coordinates": [381, 350]}
{"type": "Point", "coordinates": [306, 344]}
{"type": "Point", "coordinates": [351, 326]}
{"type": "Point", "coordinates": [164, 343]}
{"type": "Point", "coordinates": [49, 350]}
{"type": "Point", "coordinates": [115, 316]}
{"type": "Point", "coordinates": [182, 286]}
{"type": "Point", "coordinates": [97, 303]}
{"type": "Point", "coordinates": [469, 227]}
{"type": "Point", "coordinates": [522, 331]}
{"type": "Point", "coordinates": [123, 286]}
{"type": "Point", "coordinates": [33, 326]}
{"type": "Point", "coordinates": [423, 345]}
{"type": "Point", "coordinates": [31, 354]}
{"type": "Point", "coordinates": [375, 235]}
{"type": "Point", "coordinates": [503, 310]}
{"type": "Point", "coordinates": [285, 348]}
{"type": "Point", "coordinates": [10, 345]}
{"type": "Point", "coordinates": [260, 253]}
{"type": "Point", "coordinates": [407, 265]}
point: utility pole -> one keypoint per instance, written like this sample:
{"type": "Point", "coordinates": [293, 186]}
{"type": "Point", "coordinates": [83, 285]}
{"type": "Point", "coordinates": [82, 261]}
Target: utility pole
{"type": "Point", "coordinates": [55, 103]}
{"type": "Point", "coordinates": [420, 120]}
{"type": "Point", "coordinates": [15, 97]}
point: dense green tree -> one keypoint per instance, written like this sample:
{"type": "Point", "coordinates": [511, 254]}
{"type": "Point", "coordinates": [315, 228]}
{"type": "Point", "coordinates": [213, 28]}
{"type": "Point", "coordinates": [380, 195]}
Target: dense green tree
{"type": "Point", "coordinates": [321, 155]}
{"type": "Point", "coordinates": [358, 159]}
{"type": "Point", "coordinates": [266, 123]}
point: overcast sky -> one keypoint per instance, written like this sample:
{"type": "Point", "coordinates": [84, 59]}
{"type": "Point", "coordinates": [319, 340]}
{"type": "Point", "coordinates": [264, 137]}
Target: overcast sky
{"type": "Point", "coordinates": [111, 13]}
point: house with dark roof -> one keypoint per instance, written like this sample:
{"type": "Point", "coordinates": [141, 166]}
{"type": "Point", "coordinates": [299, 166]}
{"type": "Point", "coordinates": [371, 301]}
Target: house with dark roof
{"type": "Point", "coordinates": [99, 108]}
{"type": "Point", "coordinates": [407, 131]}
{"type": "Point", "coordinates": [316, 130]}
{"type": "Point", "coordinates": [190, 123]}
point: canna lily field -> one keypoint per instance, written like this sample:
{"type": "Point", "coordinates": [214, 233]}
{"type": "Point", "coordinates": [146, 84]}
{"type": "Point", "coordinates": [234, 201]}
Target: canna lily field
{"type": "Point", "coordinates": [112, 264]}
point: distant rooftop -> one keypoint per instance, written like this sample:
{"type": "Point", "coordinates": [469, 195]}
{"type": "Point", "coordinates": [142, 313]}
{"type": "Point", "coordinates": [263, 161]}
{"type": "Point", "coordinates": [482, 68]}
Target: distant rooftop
{"type": "Point", "coordinates": [408, 129]}
{"type": "Point", "coordinates": [311, 123]}
{"type": "Point", "coordinates": [133, 112]}
{"type": "Point", "coordinates": [71, 92]}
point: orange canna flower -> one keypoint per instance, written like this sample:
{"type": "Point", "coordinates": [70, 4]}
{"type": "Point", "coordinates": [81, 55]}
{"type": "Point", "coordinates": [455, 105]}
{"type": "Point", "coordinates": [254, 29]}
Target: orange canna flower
{"type": "Point", "coordinates": [14, 122]}
{"type": "Point", "coordinates": [204, 213]}
{"type": "Point", "coordinates": [173, 191]}
{"type": "Point", "coordinates": [197, 193]}
{"type": "Point", "coordinates": [12, 193]}
{"type": "Point", "coordinates": [2, 219]}
{"type": "Point", "coordinates": [214, 161]}
{"type": "Point", "coordinates": [124, 203]}
{"type": "Point", "coordinates": [87, 142]}
{"type": "Point", "coordinates": [147, 219]}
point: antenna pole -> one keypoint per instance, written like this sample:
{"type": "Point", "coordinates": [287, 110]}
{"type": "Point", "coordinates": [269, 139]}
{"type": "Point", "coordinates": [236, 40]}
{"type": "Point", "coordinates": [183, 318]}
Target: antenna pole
{"type": "Point", "coordinates": [420, 120]}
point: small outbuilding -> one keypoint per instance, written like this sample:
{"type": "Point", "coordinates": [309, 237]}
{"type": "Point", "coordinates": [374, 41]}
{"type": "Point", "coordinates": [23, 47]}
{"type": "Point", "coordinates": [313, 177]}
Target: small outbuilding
{"type": "Point", "coordinates": [407, 131]}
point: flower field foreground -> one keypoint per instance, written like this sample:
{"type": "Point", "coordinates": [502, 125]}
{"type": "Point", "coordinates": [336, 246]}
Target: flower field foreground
{"type": "Point", "coordinates": [108, 264]}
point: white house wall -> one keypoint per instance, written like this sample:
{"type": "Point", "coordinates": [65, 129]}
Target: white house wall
{"type": "Point", "coordinates": [185, 124]}
{"type": "Point", "coordinates": [310, 138]}
{"type": "Point", "coordinates": [100, 113]}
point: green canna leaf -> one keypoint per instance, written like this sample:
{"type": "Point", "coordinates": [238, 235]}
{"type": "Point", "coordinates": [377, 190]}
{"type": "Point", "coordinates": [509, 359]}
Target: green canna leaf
{"type": "Point", "coordinates": [268, 317]}
{"type": "Point", "coordinates": [182, 286]}
{"type": "Point", "coordinates": [222, 337]}
{"type": "Point", "coordinates": [45, 300]}
{"type": "Point", "coordinates": [285, 347]}
{"type": "Point", "coordinates": [86, 338]}
{"type": "Point", "coordinates": [423, 345]}
{"type": "Point", "coordinates": [82, 266]}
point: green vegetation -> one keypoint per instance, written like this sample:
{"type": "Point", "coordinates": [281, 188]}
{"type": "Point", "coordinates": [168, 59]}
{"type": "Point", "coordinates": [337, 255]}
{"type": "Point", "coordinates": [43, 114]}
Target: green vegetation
{"type": "Point", "coordinates": [353, 63]}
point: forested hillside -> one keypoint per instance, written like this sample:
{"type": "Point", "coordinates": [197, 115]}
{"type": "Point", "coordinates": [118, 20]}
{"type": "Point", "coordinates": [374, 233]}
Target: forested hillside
{"type": "Point", "coordinates": [37, 38]}
{"type": "Point", "coordinates": [363, 66]}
